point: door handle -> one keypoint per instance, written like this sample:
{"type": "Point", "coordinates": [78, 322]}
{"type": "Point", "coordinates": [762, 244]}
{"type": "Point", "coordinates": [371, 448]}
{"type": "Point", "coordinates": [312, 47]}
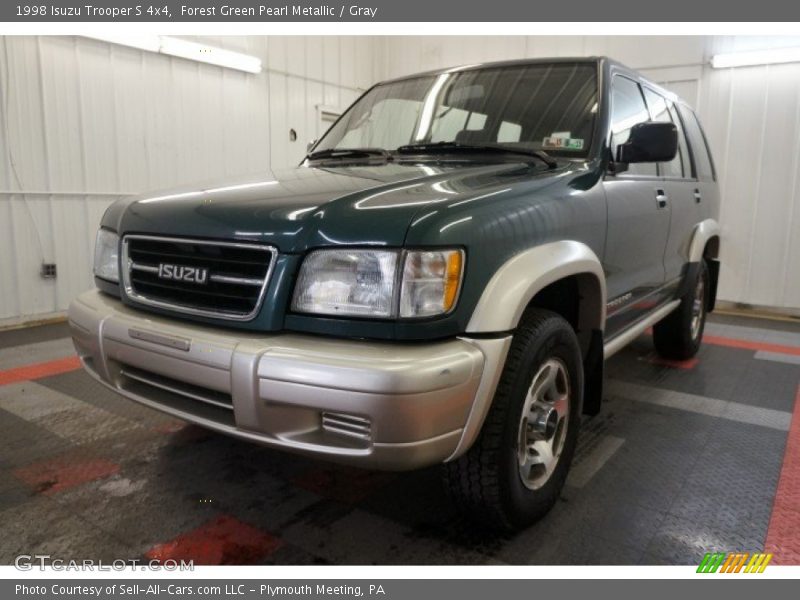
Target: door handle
{"type": "Point", "coordinates": [698, 197]}
{"type": "Point", "coordinates": [661, 199]}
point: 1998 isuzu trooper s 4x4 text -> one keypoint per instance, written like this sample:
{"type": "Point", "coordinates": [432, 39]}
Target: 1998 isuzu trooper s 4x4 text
{"type": "Point", "coordinates": [439, 281]}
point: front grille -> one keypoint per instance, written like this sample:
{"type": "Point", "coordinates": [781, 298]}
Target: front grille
{"type": "Point", "coordinates": [177, 395]}
{"type": "Point", "coordinates": [223, 280]}
{"type": "Point", "coordinates": [188, 390]}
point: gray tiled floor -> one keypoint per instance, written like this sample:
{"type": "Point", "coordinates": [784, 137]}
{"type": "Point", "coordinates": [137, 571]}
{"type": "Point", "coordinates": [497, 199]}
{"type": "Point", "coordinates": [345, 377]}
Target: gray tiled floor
{"type": "Point", "coordinates": [665, 484]}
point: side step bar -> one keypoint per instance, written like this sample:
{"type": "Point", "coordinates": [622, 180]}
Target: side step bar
{"type": "Point", "coordinates": [617, 343]}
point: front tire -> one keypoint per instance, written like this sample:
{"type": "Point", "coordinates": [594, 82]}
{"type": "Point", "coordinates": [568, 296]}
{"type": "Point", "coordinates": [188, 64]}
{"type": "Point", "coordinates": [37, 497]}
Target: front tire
{"type": "Point", "coordinates": [679, 335]}
{"type": "Point", "coordinates": [514, 472]}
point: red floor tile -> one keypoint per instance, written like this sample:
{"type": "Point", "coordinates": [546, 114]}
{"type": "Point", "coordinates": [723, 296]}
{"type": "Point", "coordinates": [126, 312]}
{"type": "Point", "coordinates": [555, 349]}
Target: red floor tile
{"type": "Point", "coordinates": [718, 340]}
{"type": "Point", "coordinates": [39, 370]}
{"type": "Point", "coordinates": [783, 535]}
{"type": "Point", "coordinates": [57, 475]}
{"type": "Point", "coordinates": [343, 484]}
{"type": "Point", "coordinates": [750, 345]}
{"type": "Point", "coordinates": [673, 364]}
{"type": "Point", "coordinates": [181, 432]}
{"type": "Point", "coordinates": [222, 541]}
{"type": "Point", "coordinates": [170, 427]}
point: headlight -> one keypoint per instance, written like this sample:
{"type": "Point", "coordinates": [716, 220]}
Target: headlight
{"type": "Point", "coordinates": [106, 255]}
{"type": "Point", "coordinates": [364, 283]}
{"type": "Point", "coordinates": [347, 282]}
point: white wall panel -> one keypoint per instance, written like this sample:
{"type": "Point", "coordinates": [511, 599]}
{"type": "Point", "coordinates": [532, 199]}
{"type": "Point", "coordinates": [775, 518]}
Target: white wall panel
{"type": "Point", "coordinates": [741, 184]}
{"type": "Point", "coordinates": [86, 122]}
{"type": "Point", "coordinates": [66, 225]}
{"type": "Point", "coordinates": [751, 116]}
{"type": "Point", "coordinates": [777, 174]}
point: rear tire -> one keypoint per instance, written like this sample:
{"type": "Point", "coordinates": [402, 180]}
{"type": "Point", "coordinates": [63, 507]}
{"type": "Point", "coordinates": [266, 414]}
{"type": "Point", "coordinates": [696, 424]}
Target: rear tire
{"type": "Point", "coordinates": [509, 478]}
{"type": "Point", "coordinates": [679, 335]}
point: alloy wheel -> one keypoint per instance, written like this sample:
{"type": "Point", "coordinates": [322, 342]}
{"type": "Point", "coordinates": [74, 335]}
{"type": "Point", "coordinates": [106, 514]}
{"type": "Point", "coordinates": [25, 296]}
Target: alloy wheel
{"type": "Point", "coordinates": [543, 424]}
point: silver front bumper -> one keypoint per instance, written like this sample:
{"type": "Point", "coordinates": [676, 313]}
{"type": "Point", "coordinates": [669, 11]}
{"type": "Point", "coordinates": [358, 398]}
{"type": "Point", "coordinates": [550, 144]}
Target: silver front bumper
{"type": "Point", "coordinates": [376, 404]}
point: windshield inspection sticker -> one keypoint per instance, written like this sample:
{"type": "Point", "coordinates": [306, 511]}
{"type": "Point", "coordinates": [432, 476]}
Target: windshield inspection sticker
{"type": "Point", "coordinates": [561, 140]}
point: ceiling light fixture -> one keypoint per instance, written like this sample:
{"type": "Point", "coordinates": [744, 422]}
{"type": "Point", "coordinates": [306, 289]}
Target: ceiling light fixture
{"type": "Point", "coordinates": [755, 57]}
{"type": "Point", "coordinates": [172, 46]}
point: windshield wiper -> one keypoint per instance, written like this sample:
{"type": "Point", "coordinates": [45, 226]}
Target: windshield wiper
{"type": "Point", "coordinates": [458, 146]}
{"type": "Point", "coordinates": [349, 153]}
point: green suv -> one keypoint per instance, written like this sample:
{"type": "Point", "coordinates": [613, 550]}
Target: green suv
{"type": "Point", "coordinates": [439, 281]}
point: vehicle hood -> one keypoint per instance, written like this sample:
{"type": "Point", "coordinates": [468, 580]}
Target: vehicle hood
{"type": "Point", "coordinates": [305, 207]}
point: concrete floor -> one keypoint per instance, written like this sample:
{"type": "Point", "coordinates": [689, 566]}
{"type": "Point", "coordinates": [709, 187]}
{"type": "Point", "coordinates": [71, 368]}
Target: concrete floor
{"type": "Point", "coordinates": [685, 458]}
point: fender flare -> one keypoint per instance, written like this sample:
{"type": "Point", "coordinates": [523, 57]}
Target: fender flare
{"type": "Point", "coordinates": [704, 231]}
{"type": "Point", "coordinates": [516, 282]}
{"type": "Point", "coordinates": [506, 297]}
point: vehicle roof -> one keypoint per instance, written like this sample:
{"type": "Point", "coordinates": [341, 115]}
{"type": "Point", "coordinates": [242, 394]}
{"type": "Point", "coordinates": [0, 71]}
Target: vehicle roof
{"type": "Point", "coordinates": [613, 66]}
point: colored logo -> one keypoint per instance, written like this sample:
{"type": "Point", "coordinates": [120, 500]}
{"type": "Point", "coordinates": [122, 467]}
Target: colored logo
{"type": "Point", "coordinates": [734, 562]}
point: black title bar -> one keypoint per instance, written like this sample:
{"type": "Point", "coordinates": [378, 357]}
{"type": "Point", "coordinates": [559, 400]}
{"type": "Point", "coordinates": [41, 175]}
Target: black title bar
{"type": "Point", "coordinates": [398, 10]}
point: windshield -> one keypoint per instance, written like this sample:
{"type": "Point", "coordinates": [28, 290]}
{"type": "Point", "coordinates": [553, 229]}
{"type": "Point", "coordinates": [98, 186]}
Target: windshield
{"type": "Point", "coordinates": [540, 106]}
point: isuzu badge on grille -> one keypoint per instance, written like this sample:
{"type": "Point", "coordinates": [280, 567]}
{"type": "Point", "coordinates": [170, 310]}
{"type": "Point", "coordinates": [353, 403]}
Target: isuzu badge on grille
{"type": "Point", "coordinates": [182, 273]}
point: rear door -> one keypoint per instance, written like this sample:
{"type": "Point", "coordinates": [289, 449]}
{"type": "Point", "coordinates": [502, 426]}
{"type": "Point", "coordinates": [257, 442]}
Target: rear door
{"type": "Point", "coordinates": [638, 219]}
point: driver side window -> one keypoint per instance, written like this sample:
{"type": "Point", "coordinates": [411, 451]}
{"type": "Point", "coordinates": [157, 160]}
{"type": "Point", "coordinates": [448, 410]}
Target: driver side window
{"type": "Point", "coordinates": [627, 109]}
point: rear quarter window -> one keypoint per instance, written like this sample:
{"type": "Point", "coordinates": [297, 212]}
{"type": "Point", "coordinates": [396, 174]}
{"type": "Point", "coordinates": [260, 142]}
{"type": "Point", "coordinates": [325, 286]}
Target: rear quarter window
{"type": "Point", "coordinates": [703, 164]}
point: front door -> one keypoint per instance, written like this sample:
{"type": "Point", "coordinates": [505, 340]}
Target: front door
{"type": "Point", "coordinates": [638, 220]}
{"type": "Point", "coordinates": [682, 191]}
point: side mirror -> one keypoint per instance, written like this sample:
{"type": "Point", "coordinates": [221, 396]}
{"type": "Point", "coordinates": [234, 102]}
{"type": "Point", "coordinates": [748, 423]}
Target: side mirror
{"type": "Point", "coordinates": [649, 142]}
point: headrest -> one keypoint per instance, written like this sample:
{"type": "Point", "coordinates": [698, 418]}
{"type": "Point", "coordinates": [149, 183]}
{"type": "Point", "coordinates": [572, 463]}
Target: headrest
{"type": "Point", "coordinates": [472, 136]}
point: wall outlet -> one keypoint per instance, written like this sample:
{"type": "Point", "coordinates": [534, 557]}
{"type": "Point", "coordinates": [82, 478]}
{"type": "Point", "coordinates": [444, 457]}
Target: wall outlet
{"type": "Point", "coordinates": [48, 271]}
